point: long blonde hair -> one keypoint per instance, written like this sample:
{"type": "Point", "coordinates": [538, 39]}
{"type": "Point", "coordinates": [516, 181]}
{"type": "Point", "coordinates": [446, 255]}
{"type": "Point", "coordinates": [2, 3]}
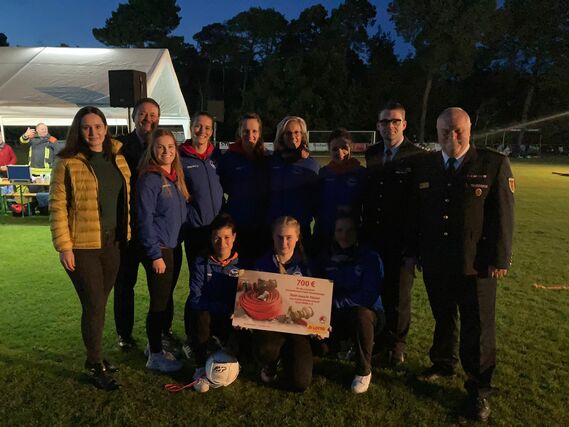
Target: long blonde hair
{"type": "Point", "coordinates": [149, 159]}
{"type": "Point", "coordinates": [289, 221]}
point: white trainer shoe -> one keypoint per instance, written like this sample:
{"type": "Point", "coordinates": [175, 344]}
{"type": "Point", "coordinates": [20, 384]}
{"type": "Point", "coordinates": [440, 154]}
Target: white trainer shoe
{"type": "Point", "coordinates": [360, 384]}
{"type": "Point", "coordinates": [202, 384]}
{"type": "Point", "coordinates": [163, 362]}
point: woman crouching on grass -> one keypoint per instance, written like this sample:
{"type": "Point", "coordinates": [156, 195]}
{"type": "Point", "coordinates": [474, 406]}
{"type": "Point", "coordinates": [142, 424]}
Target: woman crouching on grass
{"type": "Point", "coordinates": [209, 307]}
{"type": "Point", "coordinates": [89, 215]}
{"type": "Point", "coordinates": [357, 311]}
{"type": "Point", "coordinates": [161, 198]}
{"type": "Point", "coordinates": [295, 350]}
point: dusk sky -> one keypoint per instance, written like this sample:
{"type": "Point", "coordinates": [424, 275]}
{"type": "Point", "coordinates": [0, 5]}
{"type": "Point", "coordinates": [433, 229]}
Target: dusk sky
{"type": "Point", "coordinates": [50, 23]}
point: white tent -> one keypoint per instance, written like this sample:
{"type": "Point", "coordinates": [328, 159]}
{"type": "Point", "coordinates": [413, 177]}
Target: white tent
{"type": "Point", "coordinates": [49, 84]}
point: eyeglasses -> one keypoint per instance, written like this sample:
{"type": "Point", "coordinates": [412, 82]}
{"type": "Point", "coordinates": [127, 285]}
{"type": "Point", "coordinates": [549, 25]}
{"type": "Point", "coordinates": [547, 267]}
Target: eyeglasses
{"type": "Point", "coordinates": [387, 122]}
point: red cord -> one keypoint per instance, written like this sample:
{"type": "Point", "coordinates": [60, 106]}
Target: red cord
{"type": "Point", "coordinates": [179, 387]}
{"type": "Point", "coordinates": [259, 309]}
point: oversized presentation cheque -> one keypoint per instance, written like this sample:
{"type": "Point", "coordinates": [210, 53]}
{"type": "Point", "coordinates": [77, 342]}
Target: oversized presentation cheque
{"type": "Point", "coordinates": [283, 303]}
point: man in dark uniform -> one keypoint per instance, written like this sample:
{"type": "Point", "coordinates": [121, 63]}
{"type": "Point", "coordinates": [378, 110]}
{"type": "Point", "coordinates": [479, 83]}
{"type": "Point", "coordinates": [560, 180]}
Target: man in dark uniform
{"type": "Point", "coordinates": [389, 165]}
{"type": "Point", "coordinates": [146, 115]}
{"type": "Point", "coordinates": [465, 214]}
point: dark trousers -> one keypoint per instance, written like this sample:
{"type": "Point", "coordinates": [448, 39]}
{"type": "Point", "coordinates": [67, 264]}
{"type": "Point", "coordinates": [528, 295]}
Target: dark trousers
{"type": "Point", "coordinates": [361, 324]}
{"type": "Point", "coordinates": [294, 350]}
{"type": "Point", "coordinates": [475, 299]}
{"type": "Point", "coordinates": [130, 258]}
{"type": "Point", "coordinates": [159, 288]}
{"type": "Point", "coordinates": [252, 243]}
{"type": "Point", "coordinates": [396, 299]}
{"type": "Point", "coordinates": [202, 325]}
{"type": "Point", "coordinates": [132, 255]}
{"type": "Point", "coordinates": [94, 276]}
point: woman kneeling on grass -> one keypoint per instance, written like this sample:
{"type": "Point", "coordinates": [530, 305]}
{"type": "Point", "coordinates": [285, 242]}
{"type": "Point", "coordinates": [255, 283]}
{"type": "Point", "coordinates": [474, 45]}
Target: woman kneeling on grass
{"type": "Point", "coordinates": [88, 203]}
{"type": "Point", "coordinates": [209, 307]}
{"type": "Point", "coordinates": [357, 311]}
{"type": "Point", "coordinates": [161, 197]}
{"type": "Point", "coordinates": [294, 350]}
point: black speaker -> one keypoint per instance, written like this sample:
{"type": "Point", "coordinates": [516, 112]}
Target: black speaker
{"type": "Point", "coordinates": [126, 87]}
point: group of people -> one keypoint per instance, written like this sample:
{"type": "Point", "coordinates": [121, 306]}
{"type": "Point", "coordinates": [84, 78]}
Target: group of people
{"type": "Point", "coordinates": [115, 205]}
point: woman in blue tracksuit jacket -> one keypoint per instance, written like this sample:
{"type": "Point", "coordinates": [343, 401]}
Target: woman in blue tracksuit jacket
{"type": "Point", "coordinates": [357, 311]}
{"type": "Point", "coordinates": [199, 160]}
{"type": "Point", "coordinates": [244, 174]}
{"type": "Point", "coordinates": [293, 176]}
{"type": "Point", "coordinates": [340, 185]}
{"type": "Point", "coordinates": [213, 284]}
{"type": "Point", "coordinates": [295, 350]}
{"type": "Point", "coordinates": [161, 197]}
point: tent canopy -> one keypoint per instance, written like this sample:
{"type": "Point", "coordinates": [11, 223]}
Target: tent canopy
{"type": "Point", "coordinates": [49, 84]}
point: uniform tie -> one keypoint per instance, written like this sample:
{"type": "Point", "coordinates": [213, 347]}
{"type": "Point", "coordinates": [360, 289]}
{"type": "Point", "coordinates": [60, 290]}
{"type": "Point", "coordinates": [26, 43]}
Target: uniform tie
{"type": "Point", "coordinates": [450, 165]}
{"type": "Point", "coordinates": [387, 156]}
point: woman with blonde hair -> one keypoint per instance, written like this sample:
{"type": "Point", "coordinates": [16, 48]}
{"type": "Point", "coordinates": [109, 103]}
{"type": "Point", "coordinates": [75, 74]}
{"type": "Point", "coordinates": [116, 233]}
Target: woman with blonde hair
{"type": "Point", "coordinates": [293, 175]}
{"type": "Point", "coordinates": [89, 216]}
{"type": "Point", "coordinates": [287, 257]}
{"type": "Point", "coordinates": [161, 197]}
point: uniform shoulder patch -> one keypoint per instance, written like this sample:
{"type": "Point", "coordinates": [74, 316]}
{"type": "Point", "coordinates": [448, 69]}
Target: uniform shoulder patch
{"type": "Point", "coordinates": [512, 184]}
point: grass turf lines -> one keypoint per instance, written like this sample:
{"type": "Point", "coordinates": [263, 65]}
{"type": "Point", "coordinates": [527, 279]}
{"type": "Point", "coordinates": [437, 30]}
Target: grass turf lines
{"type": "Point", "coordinates": [41, 353]}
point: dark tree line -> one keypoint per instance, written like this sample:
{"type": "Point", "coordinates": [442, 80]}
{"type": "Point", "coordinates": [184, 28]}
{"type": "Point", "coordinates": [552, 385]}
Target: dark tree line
{"type": "Point", "coordinates": [506, 64]}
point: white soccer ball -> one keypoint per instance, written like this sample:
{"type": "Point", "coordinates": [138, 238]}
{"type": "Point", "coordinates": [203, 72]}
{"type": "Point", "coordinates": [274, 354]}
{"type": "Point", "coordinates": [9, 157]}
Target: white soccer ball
{"type": "Point", "coordinates": [221, 369]}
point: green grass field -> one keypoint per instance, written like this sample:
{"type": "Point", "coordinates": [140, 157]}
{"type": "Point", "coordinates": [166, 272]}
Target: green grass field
{"type": "Point", "coordinates": [41, 353]}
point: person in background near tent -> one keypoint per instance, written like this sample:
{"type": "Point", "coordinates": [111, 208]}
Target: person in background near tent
{"type": "Point", "coordinates": [7, 156]}
{"type": "Point", "coordinates": [43, 148]}
{"type": "Point", "coordinates": [161, 197]}
{"type": "Point", "coordinates": [464, 211]}
{"type": "Point", "coordinates": [146, 116]}
{"type": "Point", "coordinates": [293, 176]}
{"type": "Point", "coordinates": [357, 312]}
{"type": "Point", "coordinates": [287, 257]}
{"type": "Point", "coordinates": [386, 195]}
{"type": "Point", "coordinates": [244, 175]}
{"type": "Point", "coordinates": [209, 307]}
{"type": "Point", "coordinates": [341, 184]}
{"type": "Point", "coordinates": [89, 215]}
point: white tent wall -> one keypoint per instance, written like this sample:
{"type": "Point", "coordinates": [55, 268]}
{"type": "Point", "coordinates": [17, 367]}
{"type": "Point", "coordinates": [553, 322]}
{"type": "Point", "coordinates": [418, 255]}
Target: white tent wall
{"type": "Point", "coordinates": [49, 84]}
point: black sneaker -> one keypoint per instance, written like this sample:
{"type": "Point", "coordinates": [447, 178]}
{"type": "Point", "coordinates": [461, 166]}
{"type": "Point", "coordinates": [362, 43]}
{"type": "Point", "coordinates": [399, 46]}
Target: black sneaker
{"type": "Point", "coordinates": [435, 373]}
{"type": "Point", "coordinates": [109, 367]}
{"type": "Point", "coordinates": [396, 358]}
{"type": "Point", "coordinates": [100, 378]}
{"type": "Point", "coordinates": [126, 343]}
{"type": "Point", "coordinates": [171, 344]}
{"type": "Point", "coordinates": [477, 408]}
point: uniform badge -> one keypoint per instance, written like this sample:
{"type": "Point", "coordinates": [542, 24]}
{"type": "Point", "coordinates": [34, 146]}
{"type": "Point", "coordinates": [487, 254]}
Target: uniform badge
{"type": "Point", "coordinates": [478, 192]}
{"type": "Point", "coordinates": [234, 272]}
{"type": "Point", "coordinates": [512, 185]}
{"type": "Point", "coordinates": [423, 185]}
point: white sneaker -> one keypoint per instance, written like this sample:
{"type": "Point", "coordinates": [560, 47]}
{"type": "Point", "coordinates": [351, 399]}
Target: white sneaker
{"type": "Point", "coordinates": [202, 384]}
{"type": "Point", "coordinates": [360, 384]}
{"type": "Point", "coordinates": [163, 362]}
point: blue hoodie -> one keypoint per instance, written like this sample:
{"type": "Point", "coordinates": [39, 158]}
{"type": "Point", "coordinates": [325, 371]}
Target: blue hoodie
{"type": "Point", "coordinates": [202, 180]}
{"type": "Point", "coordinates": [246, 183]}
{"type": "Point", "coordinates": [160, 214]}
{"type": "Point", "coordinates": [213, 285]}
{"type": "Point", "coordinates": [269, 264]}
{"type": "Point", "coordinates": [294, 189]}
{"type": "Point", "coordinates": [357, 278]}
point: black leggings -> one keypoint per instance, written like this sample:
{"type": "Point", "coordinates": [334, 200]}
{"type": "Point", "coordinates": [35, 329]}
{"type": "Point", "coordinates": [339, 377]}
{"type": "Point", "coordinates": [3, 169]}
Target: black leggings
{"type": "Point", "coordinates": [94, 276]}
{"type": "Point", "coordinates": [295, 351]}
{"type": "Point", "coordinates": [159, 288]}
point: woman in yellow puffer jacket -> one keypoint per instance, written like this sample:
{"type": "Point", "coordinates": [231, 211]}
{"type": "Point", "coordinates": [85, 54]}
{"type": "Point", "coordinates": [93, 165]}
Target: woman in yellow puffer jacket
{"type": "Point", "coordinates": [89, 216]}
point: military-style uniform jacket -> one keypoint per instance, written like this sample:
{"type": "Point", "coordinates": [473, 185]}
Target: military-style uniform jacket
{"type": "Point", "coordinates": [465, 218]}
{"type": "Point", "coordinates": [386, 196]}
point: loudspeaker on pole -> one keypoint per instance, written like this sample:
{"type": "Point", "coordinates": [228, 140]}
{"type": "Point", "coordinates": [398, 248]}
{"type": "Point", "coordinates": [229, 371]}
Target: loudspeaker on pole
{"type": "Point", "coordinates": [126, 87]}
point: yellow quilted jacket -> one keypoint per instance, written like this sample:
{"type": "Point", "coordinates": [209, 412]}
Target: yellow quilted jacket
{"type": "Point", "coordinates": [74, 203]}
